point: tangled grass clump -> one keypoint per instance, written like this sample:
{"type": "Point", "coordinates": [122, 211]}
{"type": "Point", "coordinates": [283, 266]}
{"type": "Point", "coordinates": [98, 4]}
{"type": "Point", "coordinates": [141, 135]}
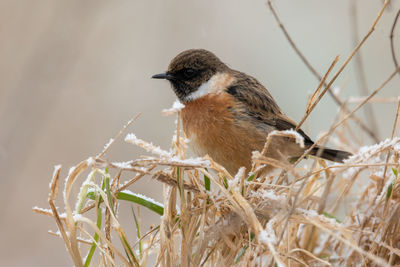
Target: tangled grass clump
{"type": "Point", "coordinates": [211, 218]}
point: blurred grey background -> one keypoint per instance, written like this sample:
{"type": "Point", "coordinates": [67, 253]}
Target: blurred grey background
{"type": "Point", "coordinates": [73, 72]}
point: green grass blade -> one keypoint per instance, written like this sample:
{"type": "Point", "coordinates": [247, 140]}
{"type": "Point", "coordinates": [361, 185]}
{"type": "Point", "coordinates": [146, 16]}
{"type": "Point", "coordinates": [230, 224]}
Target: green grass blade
{"type": "Point", "coordinates": [226, 185]}
{"type": "Point", "coordinates": [207, 183]}
{"type": "Point", "coordinates": [131, 256]}
{"type": "Point", "coordinates": [251, 177]}
{"type": "Point", "coordinates": [137, 232]}
{"type": "Point", "coordinates": [243, 250]}
{"type": "Point", "coordinates": [241, 253]}
{"type": "Point", "coordinates": [96, 236]}
{"type": "Point", "coordinates": [91, 195]}
{"type": "Point", "coordinates": [395, 172]}
{"type": "Point", "coordinates": [142, 201]}
{"type": "Point", "coordinates": [330, 216]}
{"type": "Point", "coordinates": [108, 192]}
{"type": "Point", "coordinates": [389, 191]}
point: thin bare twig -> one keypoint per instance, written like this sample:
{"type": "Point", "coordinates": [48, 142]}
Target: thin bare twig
{"type": "Point", "coordinates": [316, 74]}
{"type": "Point", "coordinates": [393, 131]}
{"type": "Point", "coordinates": [107, 146]}
{"type": "Point", "coordinates": [346, 117]}
{"type": "Point", "coordinates": [317, 96]}
{"type": "Point", "coordinates": [396, 63]}
{"type": "Point", "coordinates": [360, 72]}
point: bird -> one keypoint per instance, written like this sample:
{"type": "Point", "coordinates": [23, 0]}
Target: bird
{"type": "Point", "coordinates": [228, 114]}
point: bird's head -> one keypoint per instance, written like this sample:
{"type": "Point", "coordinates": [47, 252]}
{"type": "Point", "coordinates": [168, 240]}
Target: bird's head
{"type": "Point", "coordinates": [189, 70]}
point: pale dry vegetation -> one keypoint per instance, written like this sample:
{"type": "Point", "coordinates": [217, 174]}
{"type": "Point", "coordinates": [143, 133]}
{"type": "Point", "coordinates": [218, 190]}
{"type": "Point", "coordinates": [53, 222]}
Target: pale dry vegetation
{"type": "Point", "coordinates": [313, 213]}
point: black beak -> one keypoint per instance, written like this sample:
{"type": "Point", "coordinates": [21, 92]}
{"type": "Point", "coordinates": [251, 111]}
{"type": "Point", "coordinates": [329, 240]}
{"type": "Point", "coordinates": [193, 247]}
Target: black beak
{"type": "Point", "coordinates": [166, 76]}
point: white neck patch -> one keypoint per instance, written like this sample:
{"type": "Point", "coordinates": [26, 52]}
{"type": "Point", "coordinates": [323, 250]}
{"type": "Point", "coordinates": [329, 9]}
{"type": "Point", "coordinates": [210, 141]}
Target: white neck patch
{"type": "Point", "coordinates": [215, 85]}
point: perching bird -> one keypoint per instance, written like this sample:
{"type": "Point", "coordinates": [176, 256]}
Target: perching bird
{"type": "Point", "coordinates": [228, 114]}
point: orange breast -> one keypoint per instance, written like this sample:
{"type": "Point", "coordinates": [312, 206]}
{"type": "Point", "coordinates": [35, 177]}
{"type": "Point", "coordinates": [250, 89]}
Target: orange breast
{"type": "Point", "coordinates": [210, 125]}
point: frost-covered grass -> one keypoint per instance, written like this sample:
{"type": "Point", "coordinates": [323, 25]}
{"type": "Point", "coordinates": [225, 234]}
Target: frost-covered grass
{"type": "Point", "coordinates": [312, 214]}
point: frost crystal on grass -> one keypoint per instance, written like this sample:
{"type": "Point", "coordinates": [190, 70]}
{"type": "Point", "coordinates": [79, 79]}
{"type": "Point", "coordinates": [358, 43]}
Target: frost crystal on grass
{"type": "Point", "coordinates": [366, 153]}
{"type": "Point", "coordinates": [238, 177]}
{"type": "Point", "coordinates": [43, 210]}
{"type": "Point", "coordinates": [176, 107]}
{"type": "Point", "coordinates": [131, 138]}
{"type": "Point", "coordinates": [271, 194]}
{"type": "Point", "coordinates": [56, 169]}
{"type": "Point", "coordinates": [265, 238]}
{"type": "Point", "coordinates": [70, 171]}
{"type": "Point", "coordinates": [123, 164]}
{"type": "Point", "coordinates": [298, 137]}
{"type": "Point", "coordinates": [314, 214]}
{"type": "Point", "coordinates": [369, 155]}
{"type": "Point", "coordinates": [90, 161]}
{"type": "Point", "coordinates": [78, 217]}
{"type": "Point", "coordinates": [106, 146]}
{"type": "Point", "coordinates": [191, 161]}
{"type": "Point", "coordinates": [148, 199]}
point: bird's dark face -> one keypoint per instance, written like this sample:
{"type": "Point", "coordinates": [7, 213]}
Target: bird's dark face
{"type": "Point", "coordinates": [189, 70]}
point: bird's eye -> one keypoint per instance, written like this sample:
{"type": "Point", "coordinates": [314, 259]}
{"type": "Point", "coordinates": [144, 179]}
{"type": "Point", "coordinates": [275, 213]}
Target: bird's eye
{"type": "Point", "coordinates": [189, 73]}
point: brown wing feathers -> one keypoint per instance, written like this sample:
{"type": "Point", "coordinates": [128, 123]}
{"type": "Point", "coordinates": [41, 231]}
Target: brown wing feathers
{"type": "Point", "coordinates": [260, 107]}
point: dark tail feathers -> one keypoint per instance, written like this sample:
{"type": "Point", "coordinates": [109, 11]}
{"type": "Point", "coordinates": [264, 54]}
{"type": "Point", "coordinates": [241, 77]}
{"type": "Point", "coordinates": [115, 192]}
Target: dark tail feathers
{"type": "Point", "coordinates": [331, 154]}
